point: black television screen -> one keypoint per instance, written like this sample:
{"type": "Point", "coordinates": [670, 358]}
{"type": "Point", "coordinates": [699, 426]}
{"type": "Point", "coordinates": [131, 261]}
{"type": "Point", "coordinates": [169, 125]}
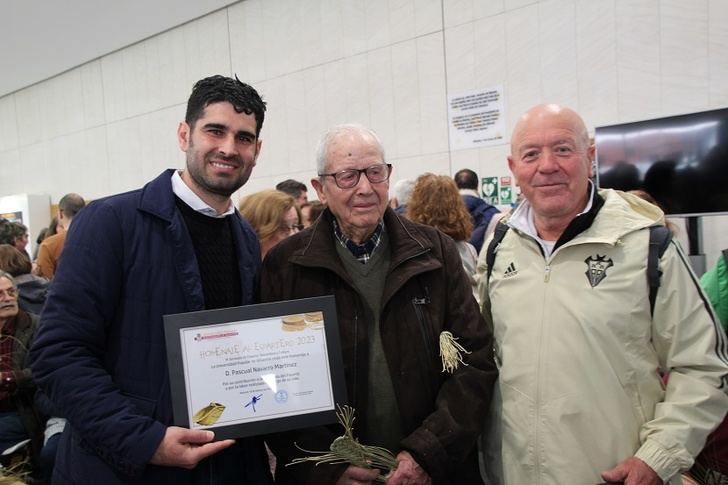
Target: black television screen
{"type": "Point", "coordinates": [682, 161]}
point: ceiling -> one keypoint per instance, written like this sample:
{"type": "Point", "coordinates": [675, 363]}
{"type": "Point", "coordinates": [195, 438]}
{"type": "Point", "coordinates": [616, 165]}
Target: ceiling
{"type": "Point", "coordinates": [42, 38]}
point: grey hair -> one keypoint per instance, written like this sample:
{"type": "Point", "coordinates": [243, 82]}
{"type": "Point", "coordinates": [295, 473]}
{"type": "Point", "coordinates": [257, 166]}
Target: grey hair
{"type": "Point", "coordinates": [322, 151]}
{"type": "Point", "coordinates": [402, 190]}
{"type": "Point", "coordinates": [3, 274]}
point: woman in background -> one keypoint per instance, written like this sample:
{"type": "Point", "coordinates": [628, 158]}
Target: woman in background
{"type": "Point", "coordinates": [32, 289]}
{"type": "Point", "coordinates": [274, 216]}
{"type": "Point", "coordinates": [435, 201]}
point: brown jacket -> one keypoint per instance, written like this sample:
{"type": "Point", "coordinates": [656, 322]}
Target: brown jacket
{"type": "Point", "coordinates": [426, 292]}
{"type": "Point", "coordinates": [49, 254]}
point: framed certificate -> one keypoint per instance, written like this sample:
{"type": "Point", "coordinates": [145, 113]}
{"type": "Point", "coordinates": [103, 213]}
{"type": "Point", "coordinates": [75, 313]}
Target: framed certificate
{"type": "Point", "coordinates": [256, 369]}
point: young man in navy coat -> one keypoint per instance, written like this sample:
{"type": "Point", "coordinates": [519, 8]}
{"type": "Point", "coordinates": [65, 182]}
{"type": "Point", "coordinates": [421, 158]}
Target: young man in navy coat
{"type": "Point", "coordinates": [176, 245]}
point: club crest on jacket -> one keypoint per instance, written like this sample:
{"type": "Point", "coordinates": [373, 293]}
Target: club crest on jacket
{"type": "Point", "coordinates": [597, 267]}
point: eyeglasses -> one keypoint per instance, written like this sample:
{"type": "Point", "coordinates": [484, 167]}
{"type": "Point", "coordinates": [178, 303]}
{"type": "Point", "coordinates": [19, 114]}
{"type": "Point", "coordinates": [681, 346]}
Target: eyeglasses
{"type": "Point", "coordinates": [346, 179]}
{"type": "Point", "coordinates": [289, 229]}
{"type": "Point", "coordinates": [10, 292]}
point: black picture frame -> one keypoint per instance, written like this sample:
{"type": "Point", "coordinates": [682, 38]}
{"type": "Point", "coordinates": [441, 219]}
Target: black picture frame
{"type": "Point", "coordinates": [175, 323]}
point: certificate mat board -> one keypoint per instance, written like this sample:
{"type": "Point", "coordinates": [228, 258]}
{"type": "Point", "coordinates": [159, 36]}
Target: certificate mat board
{"type": "Point", "coordinates": [256, 369]}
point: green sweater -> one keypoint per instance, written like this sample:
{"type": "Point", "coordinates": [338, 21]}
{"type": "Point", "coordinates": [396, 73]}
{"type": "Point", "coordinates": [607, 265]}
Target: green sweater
{"type": "Point", "coordinates": [383, 420]}
{"type": "Point", "coordinates": [715, 284]}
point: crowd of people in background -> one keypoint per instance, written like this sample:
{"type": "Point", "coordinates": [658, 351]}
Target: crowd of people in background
{"type": "Point", "coordinates": [408, 267]}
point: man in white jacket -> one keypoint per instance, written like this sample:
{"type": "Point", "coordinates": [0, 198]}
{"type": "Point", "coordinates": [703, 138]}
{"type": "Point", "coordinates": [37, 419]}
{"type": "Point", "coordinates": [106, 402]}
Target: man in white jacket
{"type": "Point", "coordinates": [579, 350]}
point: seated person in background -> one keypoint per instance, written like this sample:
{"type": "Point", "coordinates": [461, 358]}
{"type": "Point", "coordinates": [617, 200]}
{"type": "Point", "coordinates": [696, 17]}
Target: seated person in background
{"type": "Point", "coordinates": [274, 216]}
{"type": "Point", "coordinates": [18, 418]}
{"type": "Point", "coordinates": [51, 435]}
{"type": "Point", "coordinates": [32, 289]}
{"type": "Point", "coordinates": [435, 201]}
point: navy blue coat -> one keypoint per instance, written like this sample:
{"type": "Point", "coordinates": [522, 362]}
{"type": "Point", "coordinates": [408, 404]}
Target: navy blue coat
{"type": "Point", "coordinates": [482, 213]}
{"type": "Point", "coordinates": [100, 350]}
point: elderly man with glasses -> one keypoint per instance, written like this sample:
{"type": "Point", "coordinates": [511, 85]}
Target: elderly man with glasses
{"type": "Point", "coordinates": [18, 418]}
{"type": "Point", "coordinates": [399, 288]}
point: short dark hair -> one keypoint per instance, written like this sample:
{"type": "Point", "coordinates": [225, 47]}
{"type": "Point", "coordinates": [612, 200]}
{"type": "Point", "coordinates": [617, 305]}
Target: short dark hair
{"type": "Point", "coordinates": [292, 187]}
{"type": "Point", "coordinates": [217, 89]}
{"type": "Point", "coordinates": [10, 231]}
{"type": "Point", "coordinates": [466, 179]}
{"type": "Point", "coordinates": [71, 204]}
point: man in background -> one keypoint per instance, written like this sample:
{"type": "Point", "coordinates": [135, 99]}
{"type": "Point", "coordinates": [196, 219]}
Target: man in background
{"type": "Point", "coordinates": [401, 194]}
{"type": "Point", "coordinates": [49, 253]}
{"type": "Point", "coordinates": [295, 189]}
{"type": "Point", "coordinates": [480, 210]}
{"type": "Point", "coordinates": [14, 234]}
{"type": "Point", "coordinates": [176, 245]}
{"type": "Point", "coordinates": [580, 346]}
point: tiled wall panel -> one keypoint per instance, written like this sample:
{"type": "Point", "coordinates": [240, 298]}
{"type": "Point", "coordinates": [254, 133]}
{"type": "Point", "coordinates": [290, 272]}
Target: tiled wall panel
{"type": "Point", "coordinates": [390, 64]}
{"type": "Point", "coordinates": [8, 124]}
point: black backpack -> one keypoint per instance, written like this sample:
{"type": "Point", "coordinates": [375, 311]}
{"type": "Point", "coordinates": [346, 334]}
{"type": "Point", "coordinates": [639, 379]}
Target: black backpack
{"type": "Point", "coordinates": [660, 237]}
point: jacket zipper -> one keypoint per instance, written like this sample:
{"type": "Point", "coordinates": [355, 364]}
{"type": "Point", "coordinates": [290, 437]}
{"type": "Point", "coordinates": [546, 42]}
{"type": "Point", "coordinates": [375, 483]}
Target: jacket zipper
{"type": "Point", "coordinates": [426, 331]}
{"type": "Point", "coordinates": [427, 338]}
{"type": "Point", "coordinates": [356, 345]}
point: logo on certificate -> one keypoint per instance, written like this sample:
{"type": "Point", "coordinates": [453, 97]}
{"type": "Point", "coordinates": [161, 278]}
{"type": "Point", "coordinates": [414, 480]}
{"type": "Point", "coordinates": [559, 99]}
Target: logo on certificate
{"type": "Point", "coordinates": [293, 323]}
{"type": "Point", "coordinates": [215, 335]}
{"type": "Point", "coordinates": [281, 396]}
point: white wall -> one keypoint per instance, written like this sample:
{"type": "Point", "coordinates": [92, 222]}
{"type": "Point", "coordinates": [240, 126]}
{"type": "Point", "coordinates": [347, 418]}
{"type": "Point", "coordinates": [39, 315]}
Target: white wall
{"type": "Point", "coordinates": [109, 125]}
{"type": "Point", "coordinates": [40, 39]}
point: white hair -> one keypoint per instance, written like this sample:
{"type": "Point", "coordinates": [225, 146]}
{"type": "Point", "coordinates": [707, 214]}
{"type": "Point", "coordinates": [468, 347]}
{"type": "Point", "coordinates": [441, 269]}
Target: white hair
{"type": "Point", "coordinates": [402, 190]}
{"type": "Point", "coordinates": [322, 151]}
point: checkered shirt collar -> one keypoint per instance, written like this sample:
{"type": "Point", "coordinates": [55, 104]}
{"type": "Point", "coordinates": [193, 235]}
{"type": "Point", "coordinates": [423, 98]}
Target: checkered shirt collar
{"type": "Point", "coordinates": [362, 252]}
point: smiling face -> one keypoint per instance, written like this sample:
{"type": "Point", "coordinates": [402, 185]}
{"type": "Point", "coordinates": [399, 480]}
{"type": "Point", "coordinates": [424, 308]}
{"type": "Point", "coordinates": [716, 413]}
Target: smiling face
{"type": "Point", "coordinates": [359, 209]}
{"type": "Point", "coordinates": [551, 162]}
{"type": "Point", "coordinates": [221, 148]}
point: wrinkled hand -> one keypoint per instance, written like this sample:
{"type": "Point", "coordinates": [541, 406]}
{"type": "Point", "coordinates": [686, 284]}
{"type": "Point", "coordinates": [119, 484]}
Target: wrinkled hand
{"type": "Point", "coordinates": [185, 448]}
{"type": "Point", "coordinates": [355, 475]}
{"type": "Point", "coordinates": [632, 471]}
{"type": "Point", "coordinates": [408, 472]}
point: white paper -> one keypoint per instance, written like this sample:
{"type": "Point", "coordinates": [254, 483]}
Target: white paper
{"type": "Point", "coordinates": [256, 369]}
{"type": "Point", "coordinates": [476, 118]}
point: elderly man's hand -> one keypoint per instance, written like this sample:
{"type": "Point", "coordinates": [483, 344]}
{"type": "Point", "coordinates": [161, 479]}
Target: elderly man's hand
{"type": "Point", "coordinates": [632, 471]}
{"type": "Point", "coordinates": [408, 472]}
{"type": "Point", "coordinates": [355, 475]}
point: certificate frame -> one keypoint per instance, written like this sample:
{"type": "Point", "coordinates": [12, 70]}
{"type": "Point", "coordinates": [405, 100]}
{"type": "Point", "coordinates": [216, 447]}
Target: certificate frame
{"type": "Point", "coordinates": [213, 324]}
